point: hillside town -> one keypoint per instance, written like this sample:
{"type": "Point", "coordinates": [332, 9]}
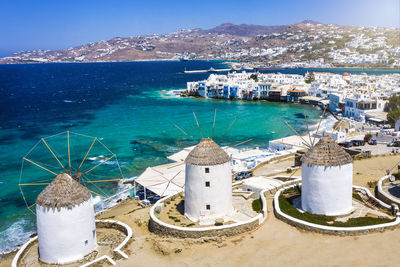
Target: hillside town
{"type": "Point", "coordinates": [305, 44]}
{"type": "Point", "coordinates": [361, 97]}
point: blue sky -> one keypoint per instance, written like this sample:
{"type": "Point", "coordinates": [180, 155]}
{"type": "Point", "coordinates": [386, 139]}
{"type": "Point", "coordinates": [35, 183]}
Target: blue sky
{"type": "Point", "coordinates": [59, 24]}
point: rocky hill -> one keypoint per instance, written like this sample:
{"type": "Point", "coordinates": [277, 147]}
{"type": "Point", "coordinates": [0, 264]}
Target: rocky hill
{"type": "Point", "coordinates": [307, 41]}
{"type": "Point", "coordinates": [245, 29]}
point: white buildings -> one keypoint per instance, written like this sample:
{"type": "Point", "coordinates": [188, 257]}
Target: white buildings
{"type": "Point", "coordinates": [357, 106]}
{"type": "Point", "coordinates": [208, 183]}
{"type": "Point", "coordinates": [327, 177]}
{"type": "Point", "coordinates": [65, 221]}
{"type": "Point", "coordinates": [354, 95]}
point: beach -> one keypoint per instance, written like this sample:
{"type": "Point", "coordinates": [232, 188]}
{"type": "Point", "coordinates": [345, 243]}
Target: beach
{"type": "Point", "coordinates": [274, 243]}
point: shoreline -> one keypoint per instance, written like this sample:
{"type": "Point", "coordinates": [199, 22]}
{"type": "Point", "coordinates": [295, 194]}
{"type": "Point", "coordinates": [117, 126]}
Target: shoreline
{"type": "Point", "coordinates": [327, 122]}
{"type": "Point", "coordinates": [223, 61]}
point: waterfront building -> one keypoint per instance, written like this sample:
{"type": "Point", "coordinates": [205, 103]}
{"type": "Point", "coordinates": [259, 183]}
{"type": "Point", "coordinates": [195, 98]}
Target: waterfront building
{"type": "Point", "coordinates": [65, 221]}
{"type": "Point", "coordinates": [264, 89]}
{"type": "Point", "coordinates": [230, 91]}
{"type": "Point", "coordinates": [358, 106]}
{"type": "Point", "coordinates": [336, 103]}
{"type": "Point", "coordinates": [202, 89]}
{"type": "Point", "coordinates": [208, 183]}
{"type": "Point", "coordinates": [327, 177]}
{"type": "Point", "coordinates": [327, 88]}
{"type": "Point", "coordinates": [294, 95]}
{"type": "Point", "coordinates": [275, 95]}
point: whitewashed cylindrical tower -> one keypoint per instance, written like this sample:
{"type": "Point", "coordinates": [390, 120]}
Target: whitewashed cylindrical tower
{"type": "Point", "coordinates": [65, 221]}
{"type": "Point", "coordinates": [208, 183]}
{"type": "Point", "coordinates": [327, 178]}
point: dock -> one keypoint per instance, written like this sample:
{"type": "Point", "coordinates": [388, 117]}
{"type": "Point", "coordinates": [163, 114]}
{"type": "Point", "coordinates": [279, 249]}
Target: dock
{"type": "Point", "coordinates": [209, 70]}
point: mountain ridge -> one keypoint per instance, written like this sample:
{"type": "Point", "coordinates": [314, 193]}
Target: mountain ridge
{"type": "Point", "coordinates": [307, 40]}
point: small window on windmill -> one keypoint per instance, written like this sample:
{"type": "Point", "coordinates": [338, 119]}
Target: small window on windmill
{"type": "Point", "coordinates": [207, 170]}
{"type": "Point", "coordinates": [86, 242]}
{"type": "Point", "coordinates": [94, 234]}
{"type": "Point", "coordinates": [208, 184]}
{"type": "Point", "coordinates": [208, 207]}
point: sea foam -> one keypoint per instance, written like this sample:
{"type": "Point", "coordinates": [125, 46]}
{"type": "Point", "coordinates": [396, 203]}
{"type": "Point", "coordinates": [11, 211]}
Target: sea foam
{"type": "Point", "coordinates": [14, 236]}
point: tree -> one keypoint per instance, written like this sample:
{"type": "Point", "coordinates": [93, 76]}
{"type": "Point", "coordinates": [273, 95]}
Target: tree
{"type": "Point", "coordinates": [254, 77]}
{"type": "Point", "coordinates": [393, 116]}
{"type": "Point", "coordinates": [393, 103]}
{"type": "Point", "coordinates": [310, 77]}
{"type": "Point", "coordinates": [393, 109]}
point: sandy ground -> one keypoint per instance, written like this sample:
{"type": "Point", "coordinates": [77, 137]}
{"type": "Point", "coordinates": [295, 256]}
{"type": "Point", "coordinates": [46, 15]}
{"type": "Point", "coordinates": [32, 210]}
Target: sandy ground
{"type": "Point", "coordinates": [277, 166]}
{"type": "Point", "coordinates": [278, 244]}
{"type": "Point", "coordinates": [274, 243]}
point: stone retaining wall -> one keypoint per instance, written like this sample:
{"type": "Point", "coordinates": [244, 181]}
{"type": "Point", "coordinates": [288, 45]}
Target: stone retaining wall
{"type": "Point", "coordinates": [162, 228]}
{"type": "Point", "coordinates": [331, 230]}
{"type": "Point", "coordinates": [22, 250]}
{"type": "Point", "coordinates": [296, 180]}
{"type": "Point", "coordinates": [384, 196]}
{"type": "Point", "coordinates": [111, 225]}
{"type": "Point", "coordinates": [117, 253]}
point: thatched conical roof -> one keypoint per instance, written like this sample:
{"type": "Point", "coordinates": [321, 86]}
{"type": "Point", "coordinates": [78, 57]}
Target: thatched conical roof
{"type": "Point", "coordinates": [63, 192]}
{"type": "Point", "coordinates": [207, 153]}
{"type": "Point", "coordinates": [327, 153]}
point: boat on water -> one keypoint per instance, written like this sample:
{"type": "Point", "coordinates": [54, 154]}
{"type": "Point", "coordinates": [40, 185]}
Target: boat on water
{"type": "Point", "coordinates": [183, 59]}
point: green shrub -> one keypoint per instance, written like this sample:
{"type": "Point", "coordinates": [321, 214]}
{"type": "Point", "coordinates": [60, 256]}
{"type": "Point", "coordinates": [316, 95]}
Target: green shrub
{"type": "Point", "coordinates": [294, 189]}
{"type": "Point", "coordinates": [289, 209]}
{"type": "Point", "coordinates": [372, 184]}
{"type": "Point", "coordinates": [257, 205]}
{"type": "Point", "coordinates": [362, 221]}
{"type": "Point", "coordinates": [358, 197]}
{"type": "Point", "coordinates": [289, 170]}
{"type": "Point", "coordinates": [367, 137]}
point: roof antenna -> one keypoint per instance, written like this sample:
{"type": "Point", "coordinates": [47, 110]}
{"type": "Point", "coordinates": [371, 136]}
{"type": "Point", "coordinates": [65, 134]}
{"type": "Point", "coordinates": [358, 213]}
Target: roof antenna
{"type": "Point", "coordinates": [305, 142]}
{"type": "Point", "coordinates": [308, 130]}
{"type": "Point", "coordinates": [316, 132]}
{"type": "Point", "coordinates": [176, 126]}
{"type": "Point", "coordinates": [228, 130]}
{"type": "Point", "coordinates": [198, 126]}
{"type": "Point", "coordinates": [215, 115]}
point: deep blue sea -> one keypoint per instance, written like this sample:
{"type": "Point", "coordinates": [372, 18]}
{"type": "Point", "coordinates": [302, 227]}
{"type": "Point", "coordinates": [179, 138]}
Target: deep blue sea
{"type": "Point", "coordinates": [125, 105]}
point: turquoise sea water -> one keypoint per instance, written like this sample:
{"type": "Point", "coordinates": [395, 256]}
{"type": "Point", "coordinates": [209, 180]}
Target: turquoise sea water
{"type": "Point", "coordinates": [128, 107]}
